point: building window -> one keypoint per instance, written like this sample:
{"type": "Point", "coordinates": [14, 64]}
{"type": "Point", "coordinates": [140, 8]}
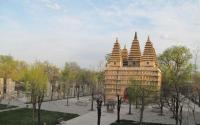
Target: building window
{"type": "Point", "coordinates": [114, 63]}
{"type": "Point", "coordinates": [147, 63]}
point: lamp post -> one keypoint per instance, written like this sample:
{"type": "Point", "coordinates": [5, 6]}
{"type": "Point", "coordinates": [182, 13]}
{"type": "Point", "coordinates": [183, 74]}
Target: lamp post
{"type": "Point", "coordinates": [99, 104]}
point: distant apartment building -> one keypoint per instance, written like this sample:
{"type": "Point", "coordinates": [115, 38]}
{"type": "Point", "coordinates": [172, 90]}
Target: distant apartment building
{"type": "Point", "coordinates": [123, 66]}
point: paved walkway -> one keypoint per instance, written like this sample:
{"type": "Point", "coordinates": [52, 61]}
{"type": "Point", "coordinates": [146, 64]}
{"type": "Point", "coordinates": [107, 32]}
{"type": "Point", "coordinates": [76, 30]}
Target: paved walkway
{"type": "Point", "coordinates": [80, 107]}
{"type": "Point", "coordinates": [9, 109]}
{"type": "Point", "coordinates": [150, 115]}
{"type": "Point", "coordinates": [91, 119]}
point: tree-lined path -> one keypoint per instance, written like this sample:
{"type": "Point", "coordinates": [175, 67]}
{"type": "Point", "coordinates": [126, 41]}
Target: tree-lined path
{"type": "Point", "coordinates": [88, 117]}
{"type": "Point", "coordinates": [91, 119]}
{"type": "Point", "coordinates": [150, 115]}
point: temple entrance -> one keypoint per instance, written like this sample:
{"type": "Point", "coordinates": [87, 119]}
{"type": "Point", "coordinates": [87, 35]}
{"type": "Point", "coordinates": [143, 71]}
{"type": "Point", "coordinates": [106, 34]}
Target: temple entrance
{"type": "Point", "coordinates": [125, 95]}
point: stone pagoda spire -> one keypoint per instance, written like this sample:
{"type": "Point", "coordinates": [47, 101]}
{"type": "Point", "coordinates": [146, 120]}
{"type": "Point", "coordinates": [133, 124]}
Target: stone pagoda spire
{"type": "Point", "coordinates": [116, 57]}
{"type": "Point", "coordinates": [149, 55]}
{"type": "Point", "coordinates": [125, 56]}
{"type": "Point", "coordinates": [135, 37]}
{"type": "Point", "coordinates": [134, 57]}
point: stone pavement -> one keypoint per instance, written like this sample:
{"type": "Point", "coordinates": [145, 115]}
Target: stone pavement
{"type": "Point", "coordinates": [9, 109]}
{"type": "Point", "coordinates": [81, 107]}
{"type": "Point", "coordinates": [88, 117]}
{"type": "Point", "coordinates": [91, 119]}
{"type": "Point", "coordinates": [58, 105]}
{"type": "Point", "coordinates": [150, 115]}
{"type": "Point", "coordinates": [108, 118]}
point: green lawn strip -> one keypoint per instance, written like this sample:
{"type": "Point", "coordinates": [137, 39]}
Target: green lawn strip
{"type": "Point", "coordinates": [130, 122]}
{"type": "Point", "coordinates": [4, 106]}
{"type": "Point", "coordinates": [24, 117]}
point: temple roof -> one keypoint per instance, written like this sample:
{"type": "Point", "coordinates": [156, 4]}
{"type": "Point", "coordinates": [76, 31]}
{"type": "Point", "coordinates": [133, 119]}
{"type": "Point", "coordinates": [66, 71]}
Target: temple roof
{"type": "Point", "coordinates": [135, 37]}
{"type": "Point", "coordinates": [116, 52]}
{"type": "Point", "coordinates": [124, 53]}
{"type": "Point", "coordinates": [135, 53]}
{"type": "Point", "coordinates": [149, 53]}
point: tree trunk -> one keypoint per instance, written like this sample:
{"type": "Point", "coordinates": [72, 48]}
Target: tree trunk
{"type": "Point", "coordinates": [173, 107]}
{"type": "Point", "coordinates": [92, 101]}
{"type": "Point", "coordinates": [199, 100]}
{"type": "Point", "coordinates": [38, 111]}
{"type": "Point", "coordinates": [118, 108]}
{"type": "Point", "coordinates": [129, 112]}
{"type": "Point", "coordinates": [181, 115]}
{"type": "Point", "coordinates": [104, 98]}
{"type": "Point", "coordinates": [64, 94]}
{"type": "Point", "coordinates": [33, 111]}
{"type": "Point", "coordinates": [74, 89]}
{"type": "Point", "coordinates": [83, 90]}
{"type": "Point", "coordinates": [52, 90]}
{"type": "Point", "coordinates": [118, 115]}
{"type": "Point", "coordinates": [33, 101]}
{"type": "Point", "coordinates": [177, 108]}
{"type": "Point", "coordinates": [142, 107]}
{"type": "Point", "coordinates": [194, 116]}
{"type": "Point", "coordinates": [4, 87]}
{"type": "Point", "coordinates": [40, 100]}
{"type": "Point", "coordinates": [161, 106]}
{"type": "Point", "coordinates": [38, 115]}
{"type": "Point", "coordinates": [136, 103]}
{"type": "Point", "coordinates": [68, 97]}
{"type": "Point", "coordinates": [58, 92]}
{"type": "Point", "coordinates": [78, 92]}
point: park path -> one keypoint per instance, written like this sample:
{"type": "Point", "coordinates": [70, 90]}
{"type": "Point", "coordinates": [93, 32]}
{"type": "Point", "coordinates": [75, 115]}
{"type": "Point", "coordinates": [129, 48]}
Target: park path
{"type": "Point", "coordinates": [91, 119]}
{"type": "Point", "coordinates": [9, 109]}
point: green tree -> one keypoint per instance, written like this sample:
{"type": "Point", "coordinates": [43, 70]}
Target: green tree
{"type": "Point", "coordinates": [21, 67]}
{"type": "Point", "coordinates": [8, 69]}
{"type": "Point", "coordinates": [68, 78]}
{"type": "Point", "coordinates": [132, 92]}
{"type": "Point", "coordinates": [80, 81]}
{"type": "Point", "coordinates": [53, 73]}
{"type": "Point", "coordinates": [176, 68]}
{"type": "Point", "coordinates": [92, 80]}
{"type": "Point", "coordinates": [100, 79]}
{"type": "Point", "coordinates": [107, 57]}
{"type": "Point", "coordinates": [35, 81]}
{"type": "Point", "coordinates": [11, 69]}
{"type": "Point", "coordinates": [196, 87]}
{"type": "Point", "coordinates": [196, 78]}
{"type": "Point", "coordinates": [143, 92]}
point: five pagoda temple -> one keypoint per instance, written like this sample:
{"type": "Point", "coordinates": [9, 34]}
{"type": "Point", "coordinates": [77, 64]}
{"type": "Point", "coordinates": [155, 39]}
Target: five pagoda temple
{"type": "Point", "coordinates": [123, 66]}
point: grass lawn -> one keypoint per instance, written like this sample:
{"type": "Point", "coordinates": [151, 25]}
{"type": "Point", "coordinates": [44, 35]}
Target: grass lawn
{"type": "Point", "coordinates": [24, 117]}
{"type": "Point", "coordinates": [130, 122]}
{"type": "Point", "coordinates": [4, 106]}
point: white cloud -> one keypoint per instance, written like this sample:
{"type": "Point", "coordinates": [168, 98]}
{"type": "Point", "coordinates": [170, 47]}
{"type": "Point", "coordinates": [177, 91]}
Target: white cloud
{"type": "Point", "coordinates": [88, 36]}
{"type": "Point", "coordinates": [51, 4]}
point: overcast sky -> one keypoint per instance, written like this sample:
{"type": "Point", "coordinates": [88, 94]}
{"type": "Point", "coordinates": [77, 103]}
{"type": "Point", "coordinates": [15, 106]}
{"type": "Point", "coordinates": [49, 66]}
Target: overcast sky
{"type": "Point", "coordinates": [85, 30]}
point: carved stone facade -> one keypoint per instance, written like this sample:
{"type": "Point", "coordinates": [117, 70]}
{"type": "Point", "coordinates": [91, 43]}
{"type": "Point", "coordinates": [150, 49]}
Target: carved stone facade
{"type": "Point", "coordinates": [121, 67]}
